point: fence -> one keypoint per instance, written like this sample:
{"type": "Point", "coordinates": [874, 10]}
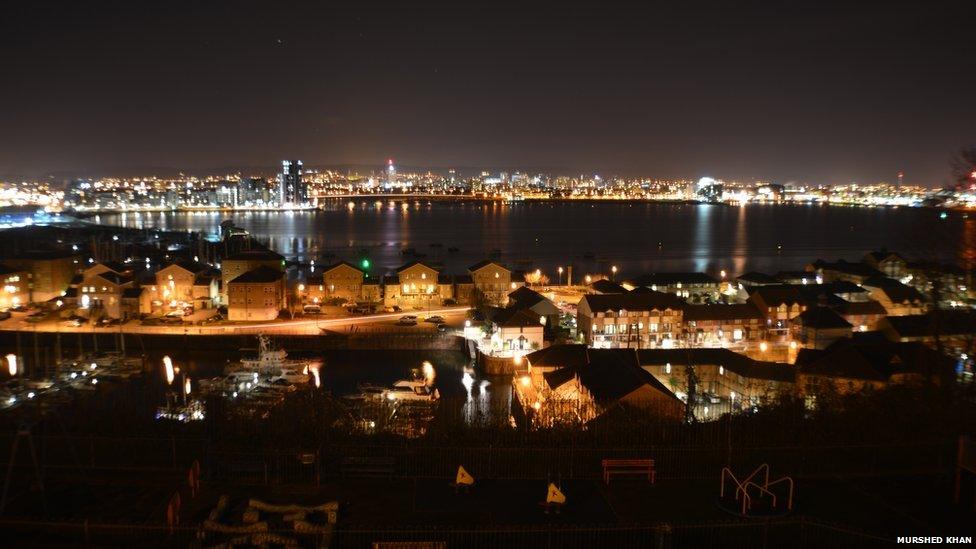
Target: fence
{"type": "Point", "coordinates": [798, 532]}
{"type": "Point", "coordinates": [283, 466]}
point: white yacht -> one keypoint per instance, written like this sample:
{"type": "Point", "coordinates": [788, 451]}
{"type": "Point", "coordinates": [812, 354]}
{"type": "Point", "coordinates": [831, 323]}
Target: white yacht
{"type": "Point", "coordinates": [270, 361]}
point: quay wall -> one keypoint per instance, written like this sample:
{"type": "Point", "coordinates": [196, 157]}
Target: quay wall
{"type": "Point", "coordinates": [40, 348]}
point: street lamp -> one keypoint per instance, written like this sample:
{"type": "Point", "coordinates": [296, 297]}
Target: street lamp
{"type": "Point", "coordinates": [560, 271]}
{"type": "Point", "coordinates": [613, 271]}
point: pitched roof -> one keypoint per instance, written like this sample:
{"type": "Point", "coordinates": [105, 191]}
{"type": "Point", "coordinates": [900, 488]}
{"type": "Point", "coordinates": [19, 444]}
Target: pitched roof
{"type": "Point", "coordinates": [633, 301]}
{"type": "Point", "coordinates": [512, 317]}
{"type": "Point", "coordinates": [263, 274]}
{"type": "Point", "coordinates": [722, 312]}
{"type": "Point", "coordinates": [525, 296]}
{"type": "Point", "coordinates": [947, 323]}
{"type": "Point", "coordinates": [615, 373]}
{"type": "Point", "coordinates": [895, 290]}
{"type": "Point", "coordinates": [731, 361]}
{"type": "Point", "coordinates": [255, 255]}
{"type": "Point", "coordinates": [869, 307]}
{"type": "Point", "coordinates": [757, 278]}
{"type": "Point", "coordinates": [413, 263]}
{"type": "Point", "coordinates": [485, 263]}
{"type": "Point", "coordinates": [822, 318]}
{"type": "Point", "coordinates": [194, 267]}
{"type": "Point", "coordinates": [608, 375]}
{"type": "Point", "coordinates": [339, 264]}
{"type": "Point", "coordinates": [869, 361]}
{"type": "Point", "coordinates": [881, 255]}
{"type": "Point", "coordinates": [846, 267]}
{"type": "Point", "coordinates": [115, 278]}
{"type": "Point", "coordinates": [604, 286]}
{"type": "Point", "coordinates": [669, 279]}
{"type": "Point", "coordinates": [559, 356]}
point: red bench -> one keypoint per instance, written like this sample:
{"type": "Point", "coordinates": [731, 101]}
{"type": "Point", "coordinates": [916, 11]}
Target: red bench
{"type": "Point", "coordinates": [628, 467]}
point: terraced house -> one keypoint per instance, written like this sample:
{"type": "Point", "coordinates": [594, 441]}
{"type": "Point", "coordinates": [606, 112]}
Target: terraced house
{"type": "Point", "coordinates": [492, 282]}
{"type": "Point", "coordinates": [417, 286]}
{"type": "Point", "coordinates": [638, 319]}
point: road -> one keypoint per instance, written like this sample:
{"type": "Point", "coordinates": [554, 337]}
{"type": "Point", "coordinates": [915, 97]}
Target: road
{"type": "Point", "coordinates": [453, 315]}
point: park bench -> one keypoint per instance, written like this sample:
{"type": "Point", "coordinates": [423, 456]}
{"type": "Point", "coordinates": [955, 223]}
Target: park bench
{"type": "Point", "coordinates": [380, 466]}
{"type": "Point", "coordinates": [644, 467]}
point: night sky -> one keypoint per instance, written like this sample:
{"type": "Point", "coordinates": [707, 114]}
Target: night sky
{"type": "Point", "coordinates": [785, 91]}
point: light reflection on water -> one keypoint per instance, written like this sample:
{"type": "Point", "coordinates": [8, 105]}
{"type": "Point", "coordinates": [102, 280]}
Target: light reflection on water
{"type": "Point", "coordinates": [637, 237]}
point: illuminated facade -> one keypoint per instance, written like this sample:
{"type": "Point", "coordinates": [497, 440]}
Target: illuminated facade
{"type": "Point", "coordinates": [292, 189]}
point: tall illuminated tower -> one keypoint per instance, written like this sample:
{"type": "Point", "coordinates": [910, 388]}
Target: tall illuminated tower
{"type": "Point", "coordinates": [390, 174]}
{"type": "Point", "coordinates": [291, 188]}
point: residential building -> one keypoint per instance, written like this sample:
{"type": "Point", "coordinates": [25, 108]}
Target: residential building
{"type": "Point", "coordinates": [183, 285]}
{"type": "Point", "coordinates": [492, 282]}
{"type": "Point", "coordinates": [416, 286]}
{"type": "Point", "coordinates": [829, 271]}
{"type": "Point", "coordinates": [344, 281]}
{"type": "Point", "coordinates": [258, 294]}
{"type": "Point", "coordinates": [516, 331]}
{"type": "Point", "coordinates": [108, 289]}
{"type": "Point", "coordinates": [727, 380]}
{"type": "Point", "coordinates": [574, 384]}
{"type": "Point", "coordinates": [890, 263]}
{"type": "Point", "coordinates": [693, 287]}
{"type": "Point", "coordinates": [237, 264]}
{"type": "Point", "coordinates": [819, 327]}
{"type": "Point", "coordinates": [16, 287]}
{"type": "Point", "coordinates": [723, 325]}
{"type": "Point", "coordinates": [50, 272]}
{"type": "Point", "coordinates": [849, 366]}
{"type": "Point", "coordinates": [897, 299]}
{"type": "Point", "coordinates": [638, 319]}
{"type": "Point", "coordinates": [525, 298]}
{"type": "Point", "coordinates": [950, 330]}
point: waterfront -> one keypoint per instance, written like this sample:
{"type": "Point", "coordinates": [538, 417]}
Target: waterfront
{"type": "Point", "coordinates": [635, 236]}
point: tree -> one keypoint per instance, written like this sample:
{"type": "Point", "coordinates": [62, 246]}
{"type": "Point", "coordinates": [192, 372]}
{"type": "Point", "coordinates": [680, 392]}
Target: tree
{"type": "Point", "coordinates": [964, 167]}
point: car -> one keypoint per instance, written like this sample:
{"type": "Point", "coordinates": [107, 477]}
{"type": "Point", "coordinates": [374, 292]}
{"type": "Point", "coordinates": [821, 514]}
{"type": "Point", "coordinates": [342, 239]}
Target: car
{"type": "Point", "coordinates": [20, 309]}
{"type": "Point", "coordinates": [393, 309]}
{"type": "Point", "coordinates": [73, 322]}
{"type": "Point", "coordinates": [311, 309]}
{"type": "Point", "coordinates": [436, 319]}
{"type": "Point", "coordinates": [4, 315]}
{"type": "Point", "coordinates": [37, 317]}
{"type": "Point", "coordinates": [443, 328]}
{"type": "Point", "coordinates": [408, 320]}
{"type": "Point", "coordinates": [176, 314]}
{"type": "Point", "coordinates": [106, 322]}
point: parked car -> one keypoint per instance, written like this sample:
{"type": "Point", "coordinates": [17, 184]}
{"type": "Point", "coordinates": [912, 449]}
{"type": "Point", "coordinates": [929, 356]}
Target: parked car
{"type": "Point", "coordinates": [311, 309]}
{"type": "Point", "coordinates": [393, 309]}
{"type": "Point", "coordinates": [443, 328]}
{"type": "Point", "coordinates": [106, 322]}
{"type": "Point", "coordinates": [408, 320]}
{"type": "Point", "coordinates": [436, 319]}
{"type": "Point", "coordinates": [75, 321]}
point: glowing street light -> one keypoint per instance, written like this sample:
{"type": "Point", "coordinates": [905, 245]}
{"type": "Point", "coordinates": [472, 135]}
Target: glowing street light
{"type": "Point", "coordinates": [168, 365]}
{"type": "Point", "coordinates": [12, 364]}
{"type": "Point", "coordinates": [613, 271]}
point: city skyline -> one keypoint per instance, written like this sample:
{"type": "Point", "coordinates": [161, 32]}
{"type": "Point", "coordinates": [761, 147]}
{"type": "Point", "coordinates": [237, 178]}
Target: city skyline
{"type": "Point", "coordinates": [825, 94]}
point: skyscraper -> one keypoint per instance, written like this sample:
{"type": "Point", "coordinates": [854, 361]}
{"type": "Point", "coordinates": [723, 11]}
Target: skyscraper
{"type": "Point", "coordinates": [391, 177]}
{"type": "Point", "coordinates": [291, 188]}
